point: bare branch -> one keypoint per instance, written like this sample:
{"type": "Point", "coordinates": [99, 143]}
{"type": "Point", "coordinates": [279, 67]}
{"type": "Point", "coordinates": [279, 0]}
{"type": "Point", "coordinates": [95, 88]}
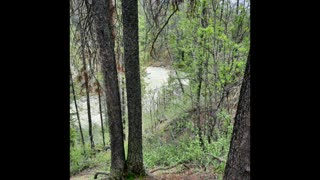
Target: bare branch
{"type": "Point", "coordinates": [152, 47]}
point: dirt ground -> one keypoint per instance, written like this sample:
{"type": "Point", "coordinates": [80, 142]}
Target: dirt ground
{"type": "Point", "coordinates": [159, 174]}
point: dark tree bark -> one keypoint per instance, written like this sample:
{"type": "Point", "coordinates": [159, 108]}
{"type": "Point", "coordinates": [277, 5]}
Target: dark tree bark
{"type": "Point", "coordinates": [77, 111]}
{"type": "Point", "coordinates": [133, 85]}
{"type": "Point", "coordinates": [238, 163]}
{"type": "Point", "coordinates": [237, 8]}
{"type": "Point", "coordinates": [103, 24]}
{"type": "Point", "coordinates": [199, 74]}
{"type": "Point", "coordinates": [222, 7]}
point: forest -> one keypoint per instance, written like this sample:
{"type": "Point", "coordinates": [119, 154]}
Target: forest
{"type": "Point", "coordinates": [160, 89]}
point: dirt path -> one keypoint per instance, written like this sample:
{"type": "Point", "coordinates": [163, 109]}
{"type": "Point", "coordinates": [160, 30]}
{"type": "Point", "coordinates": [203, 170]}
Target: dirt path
{"type": "Point", "coordinates": [170, 174]}
{"type": "Point", "coordinates": [88, 174]}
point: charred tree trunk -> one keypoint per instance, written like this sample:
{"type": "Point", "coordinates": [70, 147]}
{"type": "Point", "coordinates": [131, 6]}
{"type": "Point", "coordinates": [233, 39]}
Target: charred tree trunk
{"type": "Point", "coordinates": [238, 164]}
{"type": "Point", "coordinates": [133, 85]}
{"type": "Point", "coordinates": [103, 25]}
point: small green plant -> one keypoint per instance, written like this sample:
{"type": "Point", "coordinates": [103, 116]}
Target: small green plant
{"type": "Point", "coordinates": [79, 159]}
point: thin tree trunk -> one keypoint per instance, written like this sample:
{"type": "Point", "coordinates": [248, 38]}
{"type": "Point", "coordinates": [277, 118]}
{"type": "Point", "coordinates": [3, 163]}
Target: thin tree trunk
{"type": "Point", "coordinates": [86, 86]}
{"type": "Point", "coordinates": [222, 7]}
{"type": "Point", "coordinates": [237, 8]}
{"type": "Point", "coordinates": [131, 59]}
{"type": "Point", "coordinates": [213, 93]}
{"type": "Point", "coordinates": [103, 24]}
{"type": "Point", "coordinates": [205, 95]}
{"type": "Point", "coordinates": [179, 80]}
{"type": "Point", "coordinates": [164, 98]}
{"type": "Point", "coordinates": [200, 74]}
{"type": "Point", "coordinates": [151, 120]}
{"type": "Point", "coordinates": [77, 111]}
{"type": "Point", "coordinates": [199, 104]}
{"type": "Point", "coordinates": [100, 108]}
{"type": "Point", "coordinates": [238, 164]}
{"type": "Point", "coordinates": [158, 104]}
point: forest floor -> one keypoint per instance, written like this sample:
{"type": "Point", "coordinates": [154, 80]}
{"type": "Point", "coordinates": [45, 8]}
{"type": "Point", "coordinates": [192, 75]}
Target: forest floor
{"type": "Point", "coordinates": [157, 174]}
{"type": "Point", "coordinates": [86, 174]}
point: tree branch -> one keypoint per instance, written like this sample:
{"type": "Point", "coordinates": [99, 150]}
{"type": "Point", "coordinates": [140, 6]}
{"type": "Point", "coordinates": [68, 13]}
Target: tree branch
{"type": "Point", "coordinates": [164, 168]}
{"type": "Point", "coordinates": [152, 47]}
{"type": "Point", "coordinates": [217, 158]}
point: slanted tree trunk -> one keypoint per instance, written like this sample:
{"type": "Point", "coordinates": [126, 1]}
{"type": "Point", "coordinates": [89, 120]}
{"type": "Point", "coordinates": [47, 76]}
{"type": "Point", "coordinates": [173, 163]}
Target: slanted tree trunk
{"type": "Point", "coordinates": [103, 24]}
{"type": "Point", "coordinates": [133, 85]}
{"type": "Point", "coordinates": [238, 163]}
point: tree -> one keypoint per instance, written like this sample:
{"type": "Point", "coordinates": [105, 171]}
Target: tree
{"type": "Point", "coordinates": [86, 82]}
{"type": "Point", "coordinates": [77, 111]}
{"type": "Point", "coordinates": [133, 84]}
{"type": "Point", "coordinates": [100, 110]}
{"type": "Point", "coordinates": [238, 163]}
{"type": "Point", "coordinates": [102, 11]}
{"type": "Point", "coordinates": [81, 40]}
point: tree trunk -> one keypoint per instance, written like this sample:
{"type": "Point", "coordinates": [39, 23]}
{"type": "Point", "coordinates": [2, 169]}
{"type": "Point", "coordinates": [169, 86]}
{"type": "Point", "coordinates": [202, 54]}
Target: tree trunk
{"type": "Point", "coordinates": [200, 74]}
{"type": "Point", "coordinates": [238, 164]}
{"type": "Point", "coordinates": [77, 111]}
{"type": "Point", "coordinates": [103, 25]}
{"type": "Point", "coordinates": [179, 80]}
{"type": "Point", "coordinates": [86, 79]}
{"type": "Point", "coordinates": [237, 8]}
{"type": "Point", "coordinates": [222, 7]}
{"type": "Point", "coordinates": [131, 59]}
{"type": "Point", "coordinates": [100, 109]}
{"type": "Point", "coordinates": [199, 105]}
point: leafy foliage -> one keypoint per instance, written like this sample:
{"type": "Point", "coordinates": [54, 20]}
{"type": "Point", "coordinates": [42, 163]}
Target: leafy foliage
{"type": "Point", "coordinates": [207, 44]}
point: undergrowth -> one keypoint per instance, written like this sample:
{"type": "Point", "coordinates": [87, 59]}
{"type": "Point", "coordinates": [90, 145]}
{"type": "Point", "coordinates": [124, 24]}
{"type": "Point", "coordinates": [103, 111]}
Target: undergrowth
{"type": "Point", "coordinates": [80, 159]}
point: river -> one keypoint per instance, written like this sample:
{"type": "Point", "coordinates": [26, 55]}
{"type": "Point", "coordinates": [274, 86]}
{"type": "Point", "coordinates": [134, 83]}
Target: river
{"type": "Point", "coordinates": [155, 78]}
